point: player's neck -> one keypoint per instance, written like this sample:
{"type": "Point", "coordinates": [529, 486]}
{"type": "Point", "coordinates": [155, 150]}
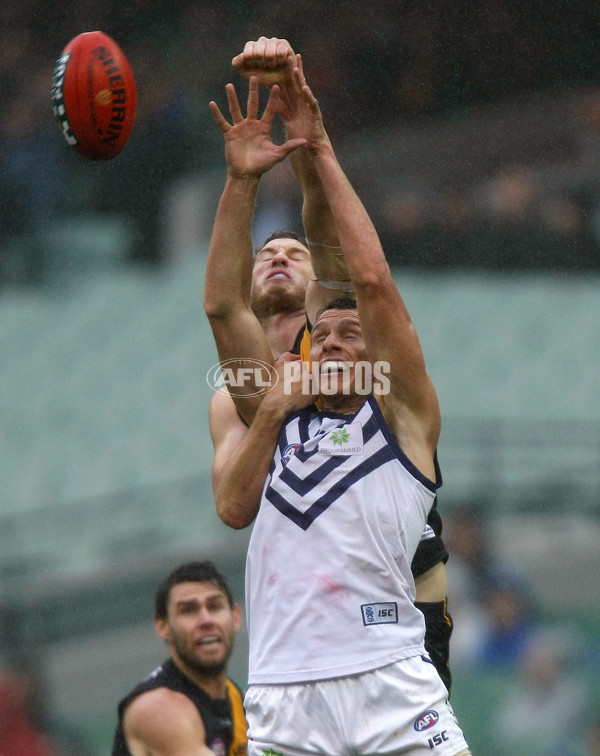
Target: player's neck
{"type": "Point", "coordinates": [282, 330]}
{"type": "Point", "coordinates": [213, 684]}
{"type": "Point", "coordinates": [342, 404]}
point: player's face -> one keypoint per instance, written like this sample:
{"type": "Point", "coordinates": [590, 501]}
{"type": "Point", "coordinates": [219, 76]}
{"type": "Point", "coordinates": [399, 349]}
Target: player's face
{"type": "Point", "coordinates": [337, 344]}
{"type": "Point", "coordinates": [281, 273]}
{"type": "Point", "coordinates": [200, 627]}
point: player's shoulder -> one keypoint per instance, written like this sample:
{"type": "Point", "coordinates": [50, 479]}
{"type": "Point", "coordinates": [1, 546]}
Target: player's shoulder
{"type": "Point", "coordinates": [159, 701]}
{"type": "Point", "coordinates": [161, 714]}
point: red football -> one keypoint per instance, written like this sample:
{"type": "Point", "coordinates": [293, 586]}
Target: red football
{"type": "Point", "coordinates": [94, 95]}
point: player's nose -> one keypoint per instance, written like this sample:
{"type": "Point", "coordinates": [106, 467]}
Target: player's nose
{"type": "Point", "coordinates": [331, 342]}
{"type": "Point", "coordinates": [205, 617]}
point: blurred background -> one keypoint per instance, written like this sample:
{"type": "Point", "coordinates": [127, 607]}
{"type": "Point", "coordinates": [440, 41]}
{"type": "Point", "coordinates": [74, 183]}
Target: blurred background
{"type": "Point", "coordinates": [472, 133]}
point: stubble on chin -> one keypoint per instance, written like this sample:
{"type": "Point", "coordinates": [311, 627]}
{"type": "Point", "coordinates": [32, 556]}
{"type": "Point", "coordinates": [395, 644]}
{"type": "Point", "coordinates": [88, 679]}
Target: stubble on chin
{"type": "Point", "coordinates": [276, 300]}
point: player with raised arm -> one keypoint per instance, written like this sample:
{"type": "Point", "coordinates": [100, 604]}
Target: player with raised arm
{"type": "Point", "coordinates": [340, 495]}
{"type": "Point", "coordinates": [280, 277]}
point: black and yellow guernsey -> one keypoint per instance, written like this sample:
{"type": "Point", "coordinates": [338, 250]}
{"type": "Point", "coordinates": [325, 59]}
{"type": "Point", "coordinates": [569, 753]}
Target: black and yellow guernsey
{"type": "Point", "coordinates": [224, 720]}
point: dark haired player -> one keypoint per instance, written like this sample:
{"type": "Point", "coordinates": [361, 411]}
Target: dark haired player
{"type": "Point", "coordinates": [188, 706]}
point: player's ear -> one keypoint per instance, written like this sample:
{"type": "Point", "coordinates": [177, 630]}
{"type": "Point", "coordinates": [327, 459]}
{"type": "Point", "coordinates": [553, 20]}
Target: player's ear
{"type": "Point", "coordinates": [162, 628]}
{"type": "Point", "coordinates": [237, 617]}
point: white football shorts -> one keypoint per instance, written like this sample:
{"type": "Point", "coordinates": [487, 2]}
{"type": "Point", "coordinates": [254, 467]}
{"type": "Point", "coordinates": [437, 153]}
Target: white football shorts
{"type": "Point", "coordinates": [402, 708]}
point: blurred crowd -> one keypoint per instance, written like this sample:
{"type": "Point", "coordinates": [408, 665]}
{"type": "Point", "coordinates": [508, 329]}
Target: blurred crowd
{"type": "Point", "coordinates": [26, 726]}
{"type": "Point", "coordinates": [539, 671]}
{"type": "Point", "coordinates": [376, 66]}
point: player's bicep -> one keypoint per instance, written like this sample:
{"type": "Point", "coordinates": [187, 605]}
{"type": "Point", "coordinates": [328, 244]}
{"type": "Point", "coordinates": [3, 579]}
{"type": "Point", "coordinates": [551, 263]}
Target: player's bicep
{"type": "Point", "coordinates": [241, 338]}
{"type": "Point", "coordinates": [164, 723]}
{"type": "Point", "coordinates": [227, 431]}
{"type": "Point", "coordinates": [396, 346]}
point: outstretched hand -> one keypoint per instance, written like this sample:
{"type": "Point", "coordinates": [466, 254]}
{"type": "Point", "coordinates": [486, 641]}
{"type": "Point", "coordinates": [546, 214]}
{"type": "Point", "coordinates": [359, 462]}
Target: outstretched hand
{"type": "Point", "coordinates": [249, 147]}
{"type": "Point", "coordinates": [303, 119]}
{"type": "Point", "coordinates": [273, 62]}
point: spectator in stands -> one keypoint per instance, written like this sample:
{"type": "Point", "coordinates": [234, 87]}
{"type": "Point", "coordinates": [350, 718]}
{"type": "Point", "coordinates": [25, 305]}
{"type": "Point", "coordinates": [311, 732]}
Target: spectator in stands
{"type": "Point", "coordinates": [19, 733]}
{"type": "Point", "coordinates": [33, 176]}
{"type": "Point", "coordinates": [544, 712]}
{"type": "Point", "coordinates": [491, 608]}
{"type": "Point", "coordinates": [414, 63]}
{"type": "Point", "coordinates": [63, 737]}
{"type": "Point", "coordinates": [509, 620]}
{"type": "Point", "coordinates": [467, 539]}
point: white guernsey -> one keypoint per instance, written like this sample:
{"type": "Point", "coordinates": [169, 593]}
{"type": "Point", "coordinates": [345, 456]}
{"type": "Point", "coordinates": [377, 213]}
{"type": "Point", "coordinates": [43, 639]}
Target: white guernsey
{"type": "Point", "coordinates": [344, 500]}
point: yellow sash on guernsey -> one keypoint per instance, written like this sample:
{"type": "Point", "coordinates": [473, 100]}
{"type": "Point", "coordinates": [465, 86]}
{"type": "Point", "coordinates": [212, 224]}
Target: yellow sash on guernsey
{"type": "Point", "coordinates": [305, 346]}
{"type": "Point", "coordinates": [239, 742]}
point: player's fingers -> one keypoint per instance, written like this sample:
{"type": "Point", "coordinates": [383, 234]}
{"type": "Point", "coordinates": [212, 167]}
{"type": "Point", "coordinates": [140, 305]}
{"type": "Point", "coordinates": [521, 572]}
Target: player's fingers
{"type": "Point", "coordinates": [298, 78]}
{"type": "Point", "coordinates": [282, 52]}
{"type": "Point", "coordinates": [279, 105]}
{"type": "Point", "coordinates": [298, 75]}
{"type": "Point", "coordinates": [273, 105]}
{"type": "Point", "coordinates": [238, 61]}
{"type": "Point", "coordinates": [306, 91]}
{"type": "Point", "coordinates": [307, 94]}
{"type": "Point", "coordinates": [234, 105]}
{"type": "Point", "coordinates": [249, 52]}
{"type": "Point", "coordinates": [270, 54]}
{"type": "Point", "coordinates": [241, 60]}
{"type": "Point", "coordinates": [287, 357]}
{"type": "Point", "coordinates": [291, 145]}
{"type": "Point", "coordinates": [220, 120]}
{"type": "Point", "coordinates": [311, 100]}
{"type": "Point", "coordinates": [276, 52]}
{"type": "Point", "coordinates": [253, 98]}
{"type": "Point", "coordinates": [259, 53]}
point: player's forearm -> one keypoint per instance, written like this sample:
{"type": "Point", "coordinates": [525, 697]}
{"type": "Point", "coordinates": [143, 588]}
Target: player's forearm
{"type": "Point", "coordinates": [239, 491]}
{"type": "Point", "coordinates": [229, 265]}
{"type": "Point", "coordinates": [358, 238]}
{"type": "Point", "coordinates": [319, 225]}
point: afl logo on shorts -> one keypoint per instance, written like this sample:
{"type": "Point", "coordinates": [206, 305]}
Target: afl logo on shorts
{"type": "Point", "coordinates": [289, 452]}
{"type": "Point", "coordinates": [426, 720]}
